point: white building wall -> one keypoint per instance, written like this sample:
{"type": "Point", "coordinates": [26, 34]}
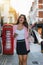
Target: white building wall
{"type": "Point", "coordinates": [11, 18]}
{"type": "Point", "coordinates": [6, 11]}
{"type": "Point", "coordinates": [34, 14]}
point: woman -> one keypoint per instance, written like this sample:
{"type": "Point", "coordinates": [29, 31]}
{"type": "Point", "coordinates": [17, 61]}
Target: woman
{"type": "Point", "coordinates": [21, 35]}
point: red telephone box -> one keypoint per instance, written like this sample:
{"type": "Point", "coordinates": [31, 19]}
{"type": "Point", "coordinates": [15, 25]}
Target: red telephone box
{"type": "Point", "coordinates": [7, 39]}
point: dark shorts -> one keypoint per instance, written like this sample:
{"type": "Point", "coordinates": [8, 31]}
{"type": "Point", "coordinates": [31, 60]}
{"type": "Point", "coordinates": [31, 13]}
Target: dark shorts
{"type": "Point", "coordinates": [21, 47]}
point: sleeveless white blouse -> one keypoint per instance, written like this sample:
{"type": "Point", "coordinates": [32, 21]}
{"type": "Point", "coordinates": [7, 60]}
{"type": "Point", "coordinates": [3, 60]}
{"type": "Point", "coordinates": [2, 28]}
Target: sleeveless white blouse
{"type": "Point", "coordinates": [20, 35]}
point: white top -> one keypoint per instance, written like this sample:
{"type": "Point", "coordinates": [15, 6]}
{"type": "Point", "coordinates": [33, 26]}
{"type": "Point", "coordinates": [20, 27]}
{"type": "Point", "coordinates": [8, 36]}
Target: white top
{"type": "Point", "coordinates": [20, 35]}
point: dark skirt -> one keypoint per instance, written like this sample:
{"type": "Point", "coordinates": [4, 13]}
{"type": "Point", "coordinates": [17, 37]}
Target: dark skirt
{"type": "Point", "coordinates": [21, 47]}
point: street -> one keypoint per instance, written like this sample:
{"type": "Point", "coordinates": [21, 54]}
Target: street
{"type": "Point", "coordinates": [28, 14]}
{"type": "Point", "coordinates": [35, 57]}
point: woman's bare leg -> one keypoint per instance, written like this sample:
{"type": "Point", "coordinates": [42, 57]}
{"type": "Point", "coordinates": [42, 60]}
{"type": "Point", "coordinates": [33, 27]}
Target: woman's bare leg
{"type": "Point", "coordinates": [24, 59]}
{"type": "Point", "coordinates": [20, 59]}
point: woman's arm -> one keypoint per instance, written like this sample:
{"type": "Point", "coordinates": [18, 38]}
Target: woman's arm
{"type": "Point", "coordinates": [15, 35]}
{"type": "Point", "coordinates": [14, 29]}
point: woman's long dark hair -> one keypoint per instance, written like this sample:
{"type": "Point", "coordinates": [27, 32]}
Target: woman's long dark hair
{"type": "Point", "coordinates": [25, 21]}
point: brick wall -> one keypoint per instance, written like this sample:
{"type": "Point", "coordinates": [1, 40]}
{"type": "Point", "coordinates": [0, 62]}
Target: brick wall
{"type": "Point", "coordinates": [40, 1]}
{"type": "Point", "coordinates": [40, 14]}
{"type": "Point", "coordinates": [40, 6]}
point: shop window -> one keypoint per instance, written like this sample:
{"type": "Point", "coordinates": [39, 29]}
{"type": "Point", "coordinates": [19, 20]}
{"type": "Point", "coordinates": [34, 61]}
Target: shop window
{"type": "Point", "coordinates": [40, 31]}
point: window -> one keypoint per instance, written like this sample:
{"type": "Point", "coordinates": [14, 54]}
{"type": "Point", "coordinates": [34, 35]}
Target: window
{"type": "Point", "coordinates": [40, 14]}
{"type": "Point", "coordinates": [10, 20]}
{"type": "Point", "coordinates": [40, 31]}
{"type": "Point", "coordinates": [40, 1]}
{"type": "Point", "coordinates": [40, 6]}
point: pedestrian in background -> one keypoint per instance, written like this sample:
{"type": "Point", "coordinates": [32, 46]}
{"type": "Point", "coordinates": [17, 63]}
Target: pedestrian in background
{"type": "Point", "coordinates": [21, 40]}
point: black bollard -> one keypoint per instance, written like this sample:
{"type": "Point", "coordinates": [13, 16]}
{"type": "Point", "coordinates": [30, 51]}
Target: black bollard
{"type": "Point", "coordinates": [42, 47]}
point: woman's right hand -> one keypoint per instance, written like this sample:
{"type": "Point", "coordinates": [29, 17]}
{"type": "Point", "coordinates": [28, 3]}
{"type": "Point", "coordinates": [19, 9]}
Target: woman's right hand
{"type": "Point", "coordinates": [15, 35]}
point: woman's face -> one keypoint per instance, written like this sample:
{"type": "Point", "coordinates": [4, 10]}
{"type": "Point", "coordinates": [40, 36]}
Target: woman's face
{"type": "Point", "coordinates": [21, 19]}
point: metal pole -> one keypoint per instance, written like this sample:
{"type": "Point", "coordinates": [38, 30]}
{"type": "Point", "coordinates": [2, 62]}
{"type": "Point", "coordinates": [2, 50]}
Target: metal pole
{"type": "Point", "coordinates": [0, 21]}
{"type": "Point", "coordinates": [0, 14]}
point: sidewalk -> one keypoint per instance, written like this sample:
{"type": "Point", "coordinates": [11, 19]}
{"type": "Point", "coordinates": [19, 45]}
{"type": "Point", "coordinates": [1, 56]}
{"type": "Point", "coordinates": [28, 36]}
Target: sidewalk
{"type": "Point", "coordinates": [34, 57]}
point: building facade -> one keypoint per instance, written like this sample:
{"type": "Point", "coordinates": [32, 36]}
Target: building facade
{"type": "Point", "coordinates": [40, 10]}
{"type": "Point", "coordinates": [36, 11]}
{"type": "Point", "coordinates": [7, 13]}
{"type": "Point", "coordinates": [36, 16]}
